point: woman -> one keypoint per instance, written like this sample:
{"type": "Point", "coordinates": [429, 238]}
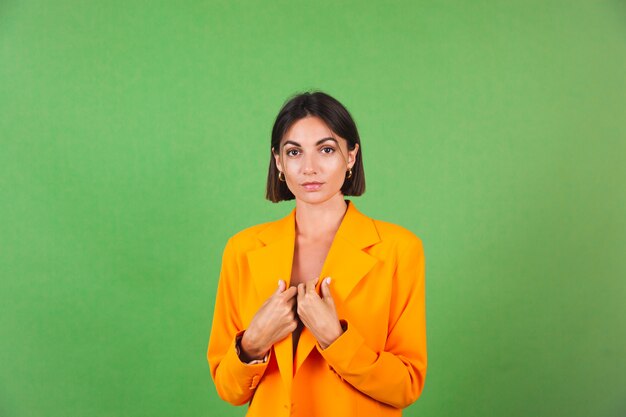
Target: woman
{"type": "Point", "coordinates": [321, 313]}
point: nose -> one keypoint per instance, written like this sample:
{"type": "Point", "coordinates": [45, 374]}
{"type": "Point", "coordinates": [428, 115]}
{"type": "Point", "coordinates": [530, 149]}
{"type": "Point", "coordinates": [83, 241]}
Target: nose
{"type": "Point", "coordinates": [310, 164]}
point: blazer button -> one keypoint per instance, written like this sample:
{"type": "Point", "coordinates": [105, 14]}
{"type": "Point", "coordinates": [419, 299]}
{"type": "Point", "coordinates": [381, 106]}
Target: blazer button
{"type": "Point", "coordinates": [254, 382]}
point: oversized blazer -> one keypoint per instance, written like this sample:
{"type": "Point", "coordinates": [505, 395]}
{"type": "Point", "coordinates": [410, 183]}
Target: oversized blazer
{"type": "Point", "coordinates": [375, 368]}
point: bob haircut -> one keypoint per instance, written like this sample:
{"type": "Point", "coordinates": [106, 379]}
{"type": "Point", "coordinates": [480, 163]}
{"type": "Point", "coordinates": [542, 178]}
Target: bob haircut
{"type": "Point", "coordinates": [337, 117]}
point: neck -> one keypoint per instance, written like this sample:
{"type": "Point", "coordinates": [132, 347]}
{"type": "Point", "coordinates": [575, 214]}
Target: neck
{"type": "Point", "coordinates": [315, 221]}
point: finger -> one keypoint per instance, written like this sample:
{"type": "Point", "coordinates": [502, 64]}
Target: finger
{"type": "Point", "coordinates": [290, 292]}
{"type": "Point", "coordinates": [301, 290]}
{"type": "Point", "coordinates": [292, 326]}
{"type": "Point", "coordinates": [326, 291]}
{"type": "Point", "coordinates": [281, 286]}
{"type": "Point", "coordinates": [310, 285]}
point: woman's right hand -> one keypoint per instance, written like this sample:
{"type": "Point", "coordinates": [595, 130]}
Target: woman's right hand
{"type": "Point", "coordinates": [273, 322]}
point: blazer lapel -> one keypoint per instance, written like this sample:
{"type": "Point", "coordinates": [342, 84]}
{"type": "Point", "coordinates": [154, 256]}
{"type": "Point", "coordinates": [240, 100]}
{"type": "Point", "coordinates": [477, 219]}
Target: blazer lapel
{"type": "Point", "coordinates": [346, 263]}
{"type": "Point", "coordinates": [267, 265]}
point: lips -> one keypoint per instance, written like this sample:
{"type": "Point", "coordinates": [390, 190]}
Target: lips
{"type": "Point", "coordinates": [312, 186]}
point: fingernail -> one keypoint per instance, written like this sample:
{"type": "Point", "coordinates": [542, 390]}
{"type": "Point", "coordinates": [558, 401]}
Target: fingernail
{"type": "Point", "coordinates": [328, 280]}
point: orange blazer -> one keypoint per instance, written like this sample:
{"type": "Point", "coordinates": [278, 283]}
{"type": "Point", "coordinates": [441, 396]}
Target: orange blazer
{"type": "Point", "coordinates": [375, 368]}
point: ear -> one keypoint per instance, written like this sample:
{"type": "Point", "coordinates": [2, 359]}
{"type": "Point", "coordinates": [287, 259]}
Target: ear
{"type": "Point", "coordinates": [352, 155]}
{"type": "Point", "coordinates": [277, 160]}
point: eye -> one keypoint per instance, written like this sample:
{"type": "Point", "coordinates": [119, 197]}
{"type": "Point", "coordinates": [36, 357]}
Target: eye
{"type": "Point", "coordinates": [292, 152]}
{"type": "Point", "coordinates": [328, 149]}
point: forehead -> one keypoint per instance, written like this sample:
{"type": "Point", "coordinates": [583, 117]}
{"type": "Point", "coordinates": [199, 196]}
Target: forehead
{"type": "Point", "coordinates": [308, 130]}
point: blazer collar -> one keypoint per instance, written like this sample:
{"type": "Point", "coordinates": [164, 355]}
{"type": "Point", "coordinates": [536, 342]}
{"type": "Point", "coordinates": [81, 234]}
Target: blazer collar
{"type": "Point", "coordinates": [346, 263]}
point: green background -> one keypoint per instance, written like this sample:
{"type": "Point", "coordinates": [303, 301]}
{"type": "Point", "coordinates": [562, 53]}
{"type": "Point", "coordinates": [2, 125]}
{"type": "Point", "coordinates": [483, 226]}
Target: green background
{"type": "Point", "coordinates": [134, 140]}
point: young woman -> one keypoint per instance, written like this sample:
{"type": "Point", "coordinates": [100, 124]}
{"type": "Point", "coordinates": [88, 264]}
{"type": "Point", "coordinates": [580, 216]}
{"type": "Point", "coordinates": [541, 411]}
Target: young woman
{"type": "Point", "coordinates": [321, 313]}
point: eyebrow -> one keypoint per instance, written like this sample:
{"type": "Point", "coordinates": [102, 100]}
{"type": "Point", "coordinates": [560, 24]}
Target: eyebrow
{"type": "Point", "coordinates": [319, 142]}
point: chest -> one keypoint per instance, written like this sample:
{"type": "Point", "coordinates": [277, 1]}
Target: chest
{"type": "Point", "coordinates": [308, 260]}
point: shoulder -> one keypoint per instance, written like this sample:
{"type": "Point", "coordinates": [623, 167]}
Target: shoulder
{"type": "Point", "coordinates": [388, 230]}
{"type": "Point", "coordinates": [247, 238]}
{"type": "Point", "coordinates": [385, 232]}
{"type": "Point", "coordinates": [396, 235]}
{"type": "Point", "coordinates": [398, 245]}
{"type": "Point", "coordinates": [250, 232]}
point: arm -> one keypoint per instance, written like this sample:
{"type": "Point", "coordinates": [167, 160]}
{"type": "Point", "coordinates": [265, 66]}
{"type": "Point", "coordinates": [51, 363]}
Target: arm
{"type": "Point", "coordinates": [235, 380]}
{"type": "Point", "coordinates": [396, 375]}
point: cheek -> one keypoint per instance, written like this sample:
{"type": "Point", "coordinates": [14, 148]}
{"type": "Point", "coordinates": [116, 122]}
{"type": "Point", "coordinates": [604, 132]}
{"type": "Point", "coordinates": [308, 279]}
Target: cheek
{"type": "Point", "coordinates": [335, 164]}
{"type": "Point", "coordinates": [290, 165]}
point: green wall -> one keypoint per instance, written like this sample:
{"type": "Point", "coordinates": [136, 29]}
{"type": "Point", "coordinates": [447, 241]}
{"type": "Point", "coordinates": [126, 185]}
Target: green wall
{"type": "Point", "coordinates": [134, 140]}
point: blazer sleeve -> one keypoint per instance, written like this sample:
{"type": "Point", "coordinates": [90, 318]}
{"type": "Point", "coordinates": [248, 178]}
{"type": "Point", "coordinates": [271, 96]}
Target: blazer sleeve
{"type": "Point", "coordinates": [235, 380]}
{"type": "Point", "coordinates": [396, 375]}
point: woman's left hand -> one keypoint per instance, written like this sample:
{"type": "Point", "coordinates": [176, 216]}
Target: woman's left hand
{"type": "Point", "coordinates": [317, 313]}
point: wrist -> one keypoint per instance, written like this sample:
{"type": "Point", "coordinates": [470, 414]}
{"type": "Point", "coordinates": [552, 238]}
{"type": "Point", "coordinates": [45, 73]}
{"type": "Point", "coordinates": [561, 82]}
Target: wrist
{"type": "Point", "coordinates": [337, 332]}
{"type": "Point", "coordinates": [249, 350]}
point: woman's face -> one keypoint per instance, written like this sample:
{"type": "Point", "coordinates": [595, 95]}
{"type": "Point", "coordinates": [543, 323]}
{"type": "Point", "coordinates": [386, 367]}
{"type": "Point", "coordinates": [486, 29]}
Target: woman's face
{"type": "Point", "coordinates": [314, 160]}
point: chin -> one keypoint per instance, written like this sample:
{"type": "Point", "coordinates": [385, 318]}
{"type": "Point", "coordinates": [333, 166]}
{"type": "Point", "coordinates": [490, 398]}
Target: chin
{"type": "Point", "coordinates": [313, 200]}
{"type": "Point", "coordinates": [316, 198]}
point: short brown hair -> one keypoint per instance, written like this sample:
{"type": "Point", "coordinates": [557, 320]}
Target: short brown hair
{"type": "Point", "coordinates": [337, 117]}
